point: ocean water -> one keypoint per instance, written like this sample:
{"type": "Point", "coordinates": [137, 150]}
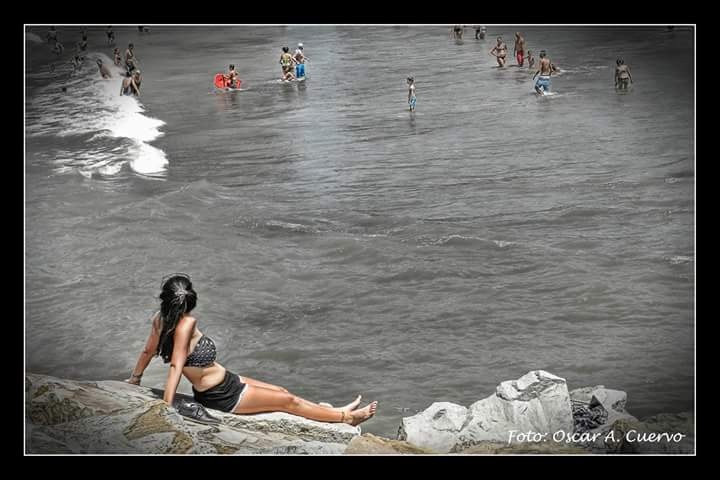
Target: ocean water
{"type": "Point", "coordinates": [341, 245]}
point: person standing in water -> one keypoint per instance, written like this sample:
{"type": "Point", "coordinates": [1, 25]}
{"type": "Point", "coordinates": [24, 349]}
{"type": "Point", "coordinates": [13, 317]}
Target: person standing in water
{"type": "Point", "coordinates": [286, 63]}
{"type": "Point", "coordinates": [130, 58]}
{"type": "Point", "coordinates": [412, 99]}
{"type": "Point", "coordinates": [110, 35]}
{"type": "Point", "coordinates": [117, 57]}
{"type": "Point", "coordinates": [480, 32]}
{"type": "Point", "coordinates": [622, 75]}
{"type": "Point", "coordinates": [231, 77]}
{"type": "Point", "coordinates": [530, 60]}
{"type": "Point", "coordinates": [519, 49]}
{"type": "Point", "coordinates": [82, 44]}
{"type": "Point", "coordinates": [457, 32]}
{"type": "Point", "coordinates": [299, 58]}
{"type": "Point", "coordinates": [52, 35]}
{"type": "Point", "coordinates": [58, 48]}
{"type": "Point", "coordinates": [545, 69]}
{"type": "Point", "coordinates": [499, 51]}
{"type": "Point", "coordinates": [104, 70]}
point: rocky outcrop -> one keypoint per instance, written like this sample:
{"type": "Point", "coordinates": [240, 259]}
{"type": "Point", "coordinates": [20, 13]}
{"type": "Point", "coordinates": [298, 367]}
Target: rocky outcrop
{"type": "Point", "coordinates": [65, 416]}
{"type": "Point", "coordinates": [537, 414]}
{"type": "Point", "coordinates": [536, 402]}
{"type": "Point", "coordinates": [660, 434]}
{"type": "Point", "coordinates": [595, 411]}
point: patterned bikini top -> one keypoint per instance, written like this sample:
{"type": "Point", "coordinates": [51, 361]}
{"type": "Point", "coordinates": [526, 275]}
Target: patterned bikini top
{"type": "Point", "coordinates": [204, 353]}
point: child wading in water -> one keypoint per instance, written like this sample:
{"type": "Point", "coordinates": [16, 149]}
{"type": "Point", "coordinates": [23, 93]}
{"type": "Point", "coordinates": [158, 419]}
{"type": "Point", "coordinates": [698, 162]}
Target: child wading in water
{"type": "Point", "coordinates": [411, 93]}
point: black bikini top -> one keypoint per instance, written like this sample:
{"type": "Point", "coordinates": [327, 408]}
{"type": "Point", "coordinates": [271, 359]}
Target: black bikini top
{"type": "Point", "coordinates": [204, 353]}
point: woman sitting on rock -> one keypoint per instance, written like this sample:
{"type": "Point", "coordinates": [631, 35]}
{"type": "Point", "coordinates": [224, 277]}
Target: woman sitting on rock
{"type": "Point", "coordinates": [176, 338]}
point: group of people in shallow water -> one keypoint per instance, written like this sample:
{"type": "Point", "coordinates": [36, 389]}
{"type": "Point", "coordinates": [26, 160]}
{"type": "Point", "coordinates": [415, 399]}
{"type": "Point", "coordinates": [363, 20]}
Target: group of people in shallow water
{"type": "Point", "coordinates": [293, 66]}
{"type": "Point", "coordinates": [545, 67]}
{"type": "Point", "coordinates": [133, 78]}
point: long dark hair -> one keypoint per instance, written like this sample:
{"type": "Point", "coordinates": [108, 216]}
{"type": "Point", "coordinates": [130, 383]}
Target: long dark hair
{"type": "Point", "coordinates": [178, 298]}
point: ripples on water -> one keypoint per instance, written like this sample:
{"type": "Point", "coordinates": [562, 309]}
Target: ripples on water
{"type": "Point", "coordinates": [340, 245]}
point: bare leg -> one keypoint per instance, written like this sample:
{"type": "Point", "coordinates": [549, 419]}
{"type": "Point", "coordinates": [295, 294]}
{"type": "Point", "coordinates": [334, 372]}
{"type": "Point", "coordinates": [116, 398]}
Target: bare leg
{"type": "Point", "coordinates": [258, 383]}
{"type": "Point", "coordinates": [259, 399]}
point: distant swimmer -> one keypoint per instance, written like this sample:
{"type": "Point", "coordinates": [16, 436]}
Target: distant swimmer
{"type": "Point", "coordinates": [412, 99]}
{"type": "Point", "coordinates": [480, 32]}
{"type": "Point", "coordinates": [129, 84]}
{"type": "Point", "coordinates": [130, 58]}
{"type": "Point", "coordinates": [622, 75]}
{"type": "Point", "coordinates": [52, 36]}
{"type": "Point", "coordinates": [519, 49]}
{"type": "Point", "coordinates": [299, 57]}
{"type": "Point", "coordinates": [76, 63]}
{"type": "Point", "coordinates": [231, 77]}
{"type": "Point", "coordinates": [143, 29]}
{"type": "Point", "coordinates": [117, 57]}
{"type": "Point", "coordinates": [110, 35]}
{"type": "Point", "coordinates": [58, 49]}
{"type": "Point", "coordinates": [104, 70]}
{"type": "Point", "coordinates": [499, 51]}
{"type": "Point", "coordinates": [82, 44]}
{"type": "Point", "coordinates": [457, 32]}
{"type": "Point", "coordinates": [545, 69]}
{"type": "Point", "coordinates": [286, 63]}
{"type": "Point", "coordinates": [530, 59]}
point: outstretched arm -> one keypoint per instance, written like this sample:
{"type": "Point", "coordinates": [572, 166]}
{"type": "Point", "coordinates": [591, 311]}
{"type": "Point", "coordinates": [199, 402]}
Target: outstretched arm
{"type": "Point", "coordinates": [148, 352]}
{"type": "Point", "coordinates": [183, 334]}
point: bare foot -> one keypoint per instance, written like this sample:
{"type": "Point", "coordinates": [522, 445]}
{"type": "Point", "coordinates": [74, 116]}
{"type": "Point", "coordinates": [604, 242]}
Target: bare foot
{"type": "Point", "coordinates": [360, 415]}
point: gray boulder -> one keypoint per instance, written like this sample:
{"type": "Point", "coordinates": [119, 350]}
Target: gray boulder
{"type": "Point", "coordinates": [435, 428]}
{"type": "Point", "coordinates": [536, 402]}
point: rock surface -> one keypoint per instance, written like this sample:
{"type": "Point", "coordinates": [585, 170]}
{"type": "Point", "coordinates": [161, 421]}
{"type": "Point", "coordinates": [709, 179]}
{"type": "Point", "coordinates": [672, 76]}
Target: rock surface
{"type": "Point", "coordinates": [538, 401]}
{"type": "Point", "coordinates": [660, 434]}
{"type": "Point", "coordinates": [65, 416]}
{"type": "Point", "coordinates": [369, 444]}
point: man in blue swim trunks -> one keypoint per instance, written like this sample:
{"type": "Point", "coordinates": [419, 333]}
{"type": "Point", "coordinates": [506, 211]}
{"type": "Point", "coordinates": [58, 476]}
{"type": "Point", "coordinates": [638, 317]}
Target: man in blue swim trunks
{"type": "Point", "coordinates": [542, 85]}
{"type": "Point", "coordinates": [300, 58]}
{"type": "Point", "coordinates": [411, 93]}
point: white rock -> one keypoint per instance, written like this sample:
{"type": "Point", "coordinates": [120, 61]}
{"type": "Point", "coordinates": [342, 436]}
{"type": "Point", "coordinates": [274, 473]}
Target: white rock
{"type": "Point", "coordinates": [435, 428]}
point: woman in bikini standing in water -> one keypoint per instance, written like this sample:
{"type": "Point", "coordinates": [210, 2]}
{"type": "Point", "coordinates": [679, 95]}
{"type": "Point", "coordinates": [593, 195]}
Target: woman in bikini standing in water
{"type": "Point", "coordinates": [500, 52]}
{"type": "Point", "coordinates": [175, 337]}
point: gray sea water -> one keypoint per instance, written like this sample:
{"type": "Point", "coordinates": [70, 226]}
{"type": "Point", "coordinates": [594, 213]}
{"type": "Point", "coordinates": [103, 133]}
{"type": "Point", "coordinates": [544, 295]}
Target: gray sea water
{"type": "Point", "coordinates": [339, 244]}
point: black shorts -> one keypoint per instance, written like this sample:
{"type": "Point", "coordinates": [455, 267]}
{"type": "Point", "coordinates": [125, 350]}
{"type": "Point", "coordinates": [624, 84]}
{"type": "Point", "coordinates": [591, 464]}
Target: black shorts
{"type": "Point", "coordinates": [224, 397]}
